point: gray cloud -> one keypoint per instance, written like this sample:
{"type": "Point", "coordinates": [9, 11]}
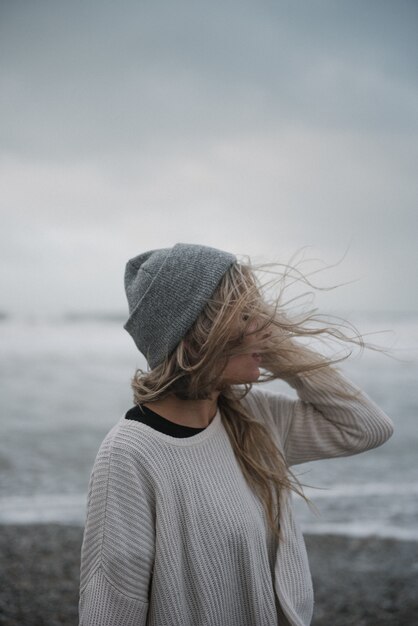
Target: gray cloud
{"type": "Point", "coordinates": [257, 127]}
{"type": "Point", "coordinates": [102, 77]}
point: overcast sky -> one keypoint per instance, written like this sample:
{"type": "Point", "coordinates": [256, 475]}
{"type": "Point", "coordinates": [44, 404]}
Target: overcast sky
{"type": "Point", "coordinates": [259, 127]}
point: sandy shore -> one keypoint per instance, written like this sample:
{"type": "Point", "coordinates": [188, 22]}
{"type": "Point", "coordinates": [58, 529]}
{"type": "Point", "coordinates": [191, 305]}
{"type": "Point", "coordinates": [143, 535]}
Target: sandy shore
{"type": "Point", "coordinates": [358, 582]}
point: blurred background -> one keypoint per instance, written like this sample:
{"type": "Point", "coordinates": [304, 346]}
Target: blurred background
{"type": "Point", "coordinates": [262, 128]}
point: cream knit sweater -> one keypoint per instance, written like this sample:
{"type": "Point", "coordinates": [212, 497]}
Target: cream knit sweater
{"type": "Point", "coordinates": [175, 537]}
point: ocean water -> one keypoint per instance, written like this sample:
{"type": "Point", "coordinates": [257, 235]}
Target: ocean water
{"type": "Point", "coordinates": [65, 382]}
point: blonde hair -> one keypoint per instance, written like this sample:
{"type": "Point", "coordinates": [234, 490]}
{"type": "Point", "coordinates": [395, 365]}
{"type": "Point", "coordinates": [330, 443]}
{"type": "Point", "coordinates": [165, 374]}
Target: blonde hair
{"type": "Point", "coordinates": [241, 306]}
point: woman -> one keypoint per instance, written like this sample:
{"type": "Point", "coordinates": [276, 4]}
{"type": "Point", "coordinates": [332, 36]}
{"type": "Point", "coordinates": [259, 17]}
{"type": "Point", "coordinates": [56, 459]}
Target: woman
{"type": "Point", "coordinates": [189, 519]}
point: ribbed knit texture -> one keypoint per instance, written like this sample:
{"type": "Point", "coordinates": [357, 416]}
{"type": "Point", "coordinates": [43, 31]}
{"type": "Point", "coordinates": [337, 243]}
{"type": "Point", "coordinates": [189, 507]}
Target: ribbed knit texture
{"type": "Point", "coordinates": [166, 290]}
{"type": "Point", "coordinates": [175, 537]}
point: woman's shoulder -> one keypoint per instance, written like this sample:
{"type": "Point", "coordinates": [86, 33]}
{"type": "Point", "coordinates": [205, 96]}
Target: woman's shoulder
{"type": "Point", "coordinates": [266, 398]}
{"type": "Point", "coordinates": [272, 407]}
{"type": "Point", "coordinates": [258, 403]}
{"type": "Point", "coordinates": [127, 443]}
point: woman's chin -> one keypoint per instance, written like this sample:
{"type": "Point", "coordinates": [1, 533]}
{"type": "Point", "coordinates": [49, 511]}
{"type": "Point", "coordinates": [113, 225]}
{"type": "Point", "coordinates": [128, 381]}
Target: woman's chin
{"type": "Point", "coordinates": [242, 370]}
{"type": "Point", "coordinates": [245, 379]}
{"type": "Point", "coordinates": [250, 377]}
{"type": "Point", "coordinates": [257, 375]}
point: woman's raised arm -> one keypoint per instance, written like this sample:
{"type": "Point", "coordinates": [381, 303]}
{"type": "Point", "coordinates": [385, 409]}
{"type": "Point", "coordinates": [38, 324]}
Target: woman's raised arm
{"type": "Point", "coordinates": [332, 417]}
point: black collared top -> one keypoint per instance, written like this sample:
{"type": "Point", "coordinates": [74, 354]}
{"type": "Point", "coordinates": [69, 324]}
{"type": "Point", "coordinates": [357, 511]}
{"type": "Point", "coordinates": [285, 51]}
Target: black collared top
{"type": "Point", "coordinates": [143, 414]}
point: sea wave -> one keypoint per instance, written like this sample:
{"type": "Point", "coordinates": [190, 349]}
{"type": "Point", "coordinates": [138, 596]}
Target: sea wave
{"type": "Point", "coordinates": [362, 529]}
{"type": "Point", "coordinates": [43, 509]}
{"type": "Point", "coordinates": [362, 490]}
{"type": "Point", "coordinates": [70, 509]}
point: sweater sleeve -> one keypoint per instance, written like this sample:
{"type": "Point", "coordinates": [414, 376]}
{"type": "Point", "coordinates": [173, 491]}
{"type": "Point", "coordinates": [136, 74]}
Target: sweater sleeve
{"type": "Point", "coordinates": [118, 545]}
{"type": "Point", "coordinates": [332, 417]}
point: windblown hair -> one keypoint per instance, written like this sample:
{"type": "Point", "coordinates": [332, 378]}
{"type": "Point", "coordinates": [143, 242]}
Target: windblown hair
{"type": "Point", "coordinates": [241, 305]}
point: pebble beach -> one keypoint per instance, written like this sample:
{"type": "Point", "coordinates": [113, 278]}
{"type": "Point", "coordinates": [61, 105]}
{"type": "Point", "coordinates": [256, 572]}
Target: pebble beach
{"type": "Point", "coordinates": [357, 581]}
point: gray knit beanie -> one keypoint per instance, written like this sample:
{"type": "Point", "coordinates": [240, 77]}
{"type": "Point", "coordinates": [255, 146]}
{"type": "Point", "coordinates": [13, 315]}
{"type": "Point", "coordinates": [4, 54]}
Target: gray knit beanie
{"type": "Point", "coordinates": [167, 289]}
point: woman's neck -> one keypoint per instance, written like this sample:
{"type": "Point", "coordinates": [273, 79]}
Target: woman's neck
{"type": "Point", "coordinates": [193, 413]}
